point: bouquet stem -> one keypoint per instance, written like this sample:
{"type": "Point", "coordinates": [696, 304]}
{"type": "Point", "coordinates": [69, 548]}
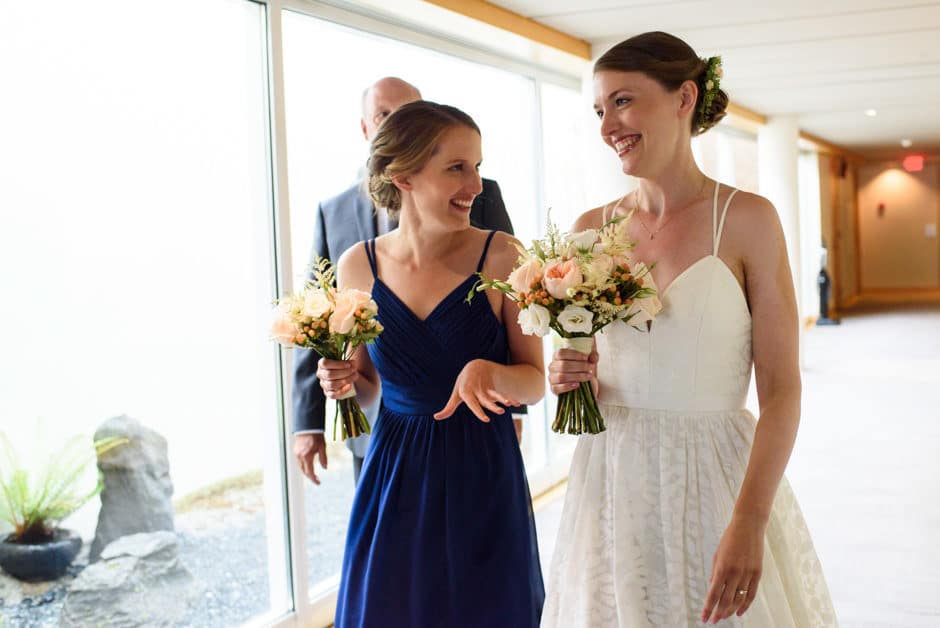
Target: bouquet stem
{"type": "Point", "coordinates": [577, 411]}
{"type": "Point", "coordinates": [354, 421]}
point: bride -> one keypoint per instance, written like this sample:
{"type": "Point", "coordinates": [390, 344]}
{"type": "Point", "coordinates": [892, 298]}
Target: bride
{"type": "Point", "coordinates": [679, 514]}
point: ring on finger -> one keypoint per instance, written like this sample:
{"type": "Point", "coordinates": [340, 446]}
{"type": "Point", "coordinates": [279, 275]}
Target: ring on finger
{"type": "Point", "coordinates": [741, 591]}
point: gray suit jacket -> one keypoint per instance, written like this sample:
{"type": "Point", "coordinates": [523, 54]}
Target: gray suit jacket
{"type": "Point", "coordinates": [341, 222]}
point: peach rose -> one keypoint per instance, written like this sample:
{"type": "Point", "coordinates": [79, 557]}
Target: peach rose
{"type": "Point", "coordinates": [560, 276]}
{"type": "Point", "coordinates": [283, 328]}
{"type": "Point", "coordinates": [347, 302]}
{"type": "Point", "coordinates": [522, 278]}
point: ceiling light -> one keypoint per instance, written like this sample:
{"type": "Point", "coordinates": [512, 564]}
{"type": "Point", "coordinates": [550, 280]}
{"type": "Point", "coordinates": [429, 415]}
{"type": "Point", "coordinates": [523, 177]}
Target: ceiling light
{"type": "Point", "coordinates": [871, 113]}
{"type": "Point", "coordinates": [906, 143]}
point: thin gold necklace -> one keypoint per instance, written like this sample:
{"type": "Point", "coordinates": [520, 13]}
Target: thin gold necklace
{"type": "Point", "coordinates": [672, 214]}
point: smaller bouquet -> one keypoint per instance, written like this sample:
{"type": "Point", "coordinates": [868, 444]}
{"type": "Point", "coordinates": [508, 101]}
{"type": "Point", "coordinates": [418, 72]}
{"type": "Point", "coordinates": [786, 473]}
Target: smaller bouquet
{"type": "Point", "coordinates": [333, 323]}
{"type": "Point", "coordinates": [576, 284]}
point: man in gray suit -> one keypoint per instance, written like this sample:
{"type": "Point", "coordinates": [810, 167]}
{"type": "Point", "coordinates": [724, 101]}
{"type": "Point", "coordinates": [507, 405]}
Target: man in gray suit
{"type": "Point", "coordinates": [341, 222]}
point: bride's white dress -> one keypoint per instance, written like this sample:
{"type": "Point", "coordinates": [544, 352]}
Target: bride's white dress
{"type": "Point", "coordinates": [649, 499]}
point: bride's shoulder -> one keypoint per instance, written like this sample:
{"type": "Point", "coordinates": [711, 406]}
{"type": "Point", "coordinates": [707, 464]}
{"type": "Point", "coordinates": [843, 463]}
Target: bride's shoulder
{"type": "Point", "coordinates": [591, 219]}
{"type": "Point", "coordinates": [751, 222]}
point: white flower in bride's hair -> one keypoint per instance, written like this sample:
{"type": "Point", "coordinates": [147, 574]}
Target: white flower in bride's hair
{"type": "Point", "coordinates": [534, 320]}
{"type": "Point", "coordinates": [581, 241]}
{"type": "Point", "coordinates": [576, 320]}
{"type": "Point", "coordinates": [709, 85]}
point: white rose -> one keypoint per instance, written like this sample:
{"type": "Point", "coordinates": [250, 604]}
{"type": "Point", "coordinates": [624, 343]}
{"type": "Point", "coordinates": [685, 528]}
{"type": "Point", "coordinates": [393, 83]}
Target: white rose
{"type": "Point", "coordinates": [709, 85]}
{"type": "Point", "coordinates": [575, 319]}
{"type": "Point", "coordinates": [316, 304]}
{"type": "Point", "coordinates": [582, 240]}
{"type": "Point", "coordinates": [534, 320]}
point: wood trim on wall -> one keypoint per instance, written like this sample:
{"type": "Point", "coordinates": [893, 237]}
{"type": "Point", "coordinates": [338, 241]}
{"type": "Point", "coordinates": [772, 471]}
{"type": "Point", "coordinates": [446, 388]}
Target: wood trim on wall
{"type": "Point", "coordinates": [835, 237]}
{"type": "Point", "coordinates": [833, 149]}
{"type": "Point", "coordinates": [748, 114]}
{"type": "Point", "coordinates": [507, 20]}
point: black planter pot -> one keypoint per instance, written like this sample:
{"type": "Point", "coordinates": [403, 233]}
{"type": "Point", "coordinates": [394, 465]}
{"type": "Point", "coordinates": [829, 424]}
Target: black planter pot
{"type": "Point", "coordinates": [45, 561]}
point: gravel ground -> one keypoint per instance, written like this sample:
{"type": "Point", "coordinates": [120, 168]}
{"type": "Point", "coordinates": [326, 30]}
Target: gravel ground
{"type": "Point", "coordinates": [225, 549]}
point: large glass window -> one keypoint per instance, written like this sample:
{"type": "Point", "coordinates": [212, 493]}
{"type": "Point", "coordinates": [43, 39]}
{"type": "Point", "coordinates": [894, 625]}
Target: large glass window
{"type": "Point", "coordinates": [134, 198]}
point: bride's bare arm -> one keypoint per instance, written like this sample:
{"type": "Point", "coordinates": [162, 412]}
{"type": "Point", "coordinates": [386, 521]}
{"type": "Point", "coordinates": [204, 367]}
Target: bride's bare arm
{"type": "Point", "coordinates": [757, 237]}
{"type": "Point", "coordinates": [775, 341]}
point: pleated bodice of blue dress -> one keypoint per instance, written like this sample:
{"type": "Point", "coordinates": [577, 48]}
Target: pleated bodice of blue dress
{"type": "Point", "coordinates": [441, 532]}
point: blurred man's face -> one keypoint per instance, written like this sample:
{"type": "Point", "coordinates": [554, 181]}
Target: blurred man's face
{"type": "Point", "coordinates": [381, 100]}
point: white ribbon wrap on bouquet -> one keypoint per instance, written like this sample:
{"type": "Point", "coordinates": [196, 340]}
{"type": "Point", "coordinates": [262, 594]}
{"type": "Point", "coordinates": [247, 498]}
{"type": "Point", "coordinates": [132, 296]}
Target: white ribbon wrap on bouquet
{"type": "Point", "coordinates": [581, 345]}
{"type": "Point", "coordinates": [349, 393]}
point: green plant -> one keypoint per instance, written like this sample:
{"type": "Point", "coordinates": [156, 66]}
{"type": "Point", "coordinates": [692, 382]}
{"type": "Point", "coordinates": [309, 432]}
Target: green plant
{"type": "Point", "coordinates": [34, 508]}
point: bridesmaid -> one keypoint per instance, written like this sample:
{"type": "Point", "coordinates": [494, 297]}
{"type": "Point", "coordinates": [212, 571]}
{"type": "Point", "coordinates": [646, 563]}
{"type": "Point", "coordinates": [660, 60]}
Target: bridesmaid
{"type": "Point", "coordinates": [441, 532]}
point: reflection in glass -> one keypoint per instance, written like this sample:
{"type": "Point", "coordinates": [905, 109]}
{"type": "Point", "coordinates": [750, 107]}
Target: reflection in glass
{"type": "Point", "coordinates": [135, 237]}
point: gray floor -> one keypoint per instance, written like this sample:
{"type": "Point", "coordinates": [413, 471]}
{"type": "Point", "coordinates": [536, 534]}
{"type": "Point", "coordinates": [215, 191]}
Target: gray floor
{"type": "Point", "coordinates": [866, 467]}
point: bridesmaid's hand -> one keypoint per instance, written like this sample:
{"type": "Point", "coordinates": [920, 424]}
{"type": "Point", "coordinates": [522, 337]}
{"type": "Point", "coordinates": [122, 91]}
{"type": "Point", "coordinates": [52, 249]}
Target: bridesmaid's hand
{"type": "Point", "coordinates": [569, 368]}
{"type": "Point", "coordinates": [736, 567]}
{"type": "Point", "coordinates": [336, 376]}
{"type": "Point", "coordinates": [475, 387]}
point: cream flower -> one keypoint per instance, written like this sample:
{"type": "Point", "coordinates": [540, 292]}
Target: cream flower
{"type": "Point", "coordinates": [560, 276]}
{"type": "Point", "coordinates": [522, 278]}
{"type": "Point", "coordinates": [582, 240]}
{"type": "Point", "coordinates": [316, 303]}
{"type": "Point", "coordinates": [576, 320]}
{"type": "Point", "coordinates": [641, 311]}
{"type": "Point", "coordinates": [534, 320]}
{"type": "Point", "coordinates": [598, 271]}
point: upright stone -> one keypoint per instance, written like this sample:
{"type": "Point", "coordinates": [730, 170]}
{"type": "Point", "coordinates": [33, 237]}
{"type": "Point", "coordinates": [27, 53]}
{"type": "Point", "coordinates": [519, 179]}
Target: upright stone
{"type": "Point", "coordinates": [137, 484]}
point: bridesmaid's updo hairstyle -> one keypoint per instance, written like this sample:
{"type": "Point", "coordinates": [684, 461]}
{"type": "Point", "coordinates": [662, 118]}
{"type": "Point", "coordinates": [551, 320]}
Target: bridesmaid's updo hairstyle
{"type": "Point", "coordinates": [404, 143]}
{"type": "Point", "coordinates": [670, 61]}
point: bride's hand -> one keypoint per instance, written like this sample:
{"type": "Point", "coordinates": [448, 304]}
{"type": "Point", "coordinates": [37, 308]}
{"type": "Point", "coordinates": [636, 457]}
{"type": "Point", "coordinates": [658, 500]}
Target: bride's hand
{"type": "Point", "coordinates": [475, 387]}
{"type": "Point", "coordinates": [569, 368]}
{"type": "Point", "coordinates": [736, 569]}
{"type": "Point", "coordinates": [336, 376]}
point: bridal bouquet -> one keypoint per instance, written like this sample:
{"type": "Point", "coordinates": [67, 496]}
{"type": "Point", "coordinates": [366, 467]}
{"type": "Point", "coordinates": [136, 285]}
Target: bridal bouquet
{"type": "Point", "coordinates": [333, 323]}
{"type": "Point", "coordinates": [576, 284]}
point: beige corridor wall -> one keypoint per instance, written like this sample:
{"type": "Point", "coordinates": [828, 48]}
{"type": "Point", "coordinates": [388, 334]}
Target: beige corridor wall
{"type": "Point", "coordinates": [896, 252]}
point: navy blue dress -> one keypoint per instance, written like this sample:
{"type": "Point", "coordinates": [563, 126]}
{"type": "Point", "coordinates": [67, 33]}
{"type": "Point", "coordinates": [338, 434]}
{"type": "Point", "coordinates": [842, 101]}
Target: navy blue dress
{"type": "Point", "coordinates": [441, 532]}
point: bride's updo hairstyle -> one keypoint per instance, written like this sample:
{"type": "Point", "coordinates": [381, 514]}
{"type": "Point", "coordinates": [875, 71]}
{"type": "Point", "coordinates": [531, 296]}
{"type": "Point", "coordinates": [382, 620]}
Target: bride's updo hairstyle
{"type": "Point", "coordinates": [670, 62]}
{"type": "Point", "coordinates": [404, 143]}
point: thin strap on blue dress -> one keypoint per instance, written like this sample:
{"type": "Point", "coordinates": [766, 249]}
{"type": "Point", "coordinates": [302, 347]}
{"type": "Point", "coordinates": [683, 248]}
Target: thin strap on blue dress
{"type": "Point", "coordinates": [486, 248]}
{"type": "Point", "coordinates": [370, 253]}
